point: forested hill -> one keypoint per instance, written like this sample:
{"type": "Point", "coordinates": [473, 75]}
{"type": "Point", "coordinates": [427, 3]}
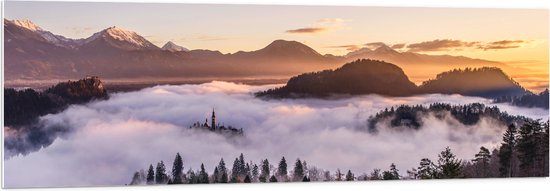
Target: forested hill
{"type": "Point", "coordinates": [23, 107]}
{"type": "Point", "coordinates": [488, 82]}
{"type": "Point", "coordinates": [469, 114]}
{"type": "Point", "coordinates": [359, 77]}
{"type": "Point", "coordinates": [366, 76]}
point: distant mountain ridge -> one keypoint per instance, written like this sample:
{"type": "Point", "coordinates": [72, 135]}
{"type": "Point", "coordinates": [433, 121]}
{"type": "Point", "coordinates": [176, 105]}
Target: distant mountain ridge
{"type": "Point", "coordinates": [365, 76]}
{"type": "Point", "coordinates": [33, 53]}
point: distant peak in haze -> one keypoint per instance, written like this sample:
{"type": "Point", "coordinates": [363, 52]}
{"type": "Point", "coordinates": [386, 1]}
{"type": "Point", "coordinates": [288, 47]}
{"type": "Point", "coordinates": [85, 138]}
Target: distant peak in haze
{"type": "Point", "coordinates": [27, 24]}
{"type": "Point", "coordinates": [384, 48]}
{"type": "Point", "coordinates": [173, 47]}
{"type": "Point", "coordinates": [359, 51]}
{"type": "Point", "coordinates": [289, 47]}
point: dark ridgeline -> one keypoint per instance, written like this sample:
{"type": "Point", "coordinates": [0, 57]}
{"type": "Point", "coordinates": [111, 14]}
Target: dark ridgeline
{"type": "Point", "coordinates": [216, 127]}
{"type": "Point", "coordinates": [522, 153]}
{"type": "Point", "coordinates": [23, 107]}
{"type": "Point", "coordinates": [487, 82]}
{"type": "Point", "coordinates": [469, 114]}
{"type": "Point", "coordinates": [359, 77]}
{"type": "Point", "coordinates": [366, 76]}
{"type": "Point", "coordinates": [528, 100]}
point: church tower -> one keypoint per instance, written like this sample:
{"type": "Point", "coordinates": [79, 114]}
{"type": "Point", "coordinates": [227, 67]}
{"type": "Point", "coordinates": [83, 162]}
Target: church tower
{"type": "Point", "coordinates": [213, 119]}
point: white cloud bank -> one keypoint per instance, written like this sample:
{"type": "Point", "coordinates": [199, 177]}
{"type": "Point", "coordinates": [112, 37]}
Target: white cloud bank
{"type": "Point", "coordinates": [112, 139]}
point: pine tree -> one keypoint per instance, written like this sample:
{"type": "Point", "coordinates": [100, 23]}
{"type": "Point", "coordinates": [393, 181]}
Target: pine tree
{"type": "Point", "coordinates": [449, 166]}
{"type": "Point", "coordinates": [339, 175]}
{"type": "Point", "coordinates": [235, 171]}
{"type": "Point", "coordinates": [224, 178]}
{"type": "Point", "coordinates": [151, 175]}
{"type": "Point", "coordinates": [298, 171]}
{"type": "Point", "coordinates": [427, 169]}
{"type": "Point", "coordinates": [273, 179]}
{"type": "Point", "coordinates": [160, 174]}
{"type": "Point", "coordinates": [255, 173]}
{"type": "Point", "coordinates": [375, 174]}
{"type": "Point", "coordinates": [530, 148]}
{"type": "Point", "coordinates": [177, 170]}
{"type": "Point", "coordinates": [507, 154]}
{"type": "Point", "coordinates": [350, 176]}
{"type": "Point", "coordinates": [481, 162]}
{"type": "Point", "coordinates": [192, 177]}
{"type": "Point", "coordinates": [247, 179]}
{"type": "Point", "coordinates": [282, 170]}
{"type": "Point", "coordinates": [203, 175]}
{"type": "Point", "coordinates": [392, 174]}
{"type": "Point", "coordinates": [247, 170]}
{"type": "Point", "coordinates": [223, 172]}
{"type": "Point", "coordinates": [216, 175]}
{"type": "Point", "coordinates": [136, 179]}
{"type": "Point", "coordinates": [264, 175]}
{"type": "Point", "coordinates": [242, 167]}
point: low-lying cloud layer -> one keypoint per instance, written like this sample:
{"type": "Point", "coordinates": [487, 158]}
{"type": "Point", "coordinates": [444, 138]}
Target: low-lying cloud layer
{"type": "Point", "coordinates": [109, 140]}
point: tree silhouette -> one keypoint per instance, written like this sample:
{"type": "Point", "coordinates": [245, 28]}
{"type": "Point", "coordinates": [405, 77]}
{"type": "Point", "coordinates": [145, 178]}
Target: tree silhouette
{"type": "Point", "coordinates": [223, 172]}
{"type": "Point", "coordinates": [160, 174]}
{"type": "Point", "coordinates": [203, 175]}
{"type": "Point", "coordinates": [507, 154]}
{"type": "Point", "coordinates": [349, 176]}
{"type": "Point", "coordinates": [298, 171]}
{"type": "Point", "coordinates": [264, 175]}
{"type": "Point", "coordinates": [177, 170]}
{"type": "Point", "coordinates": [449, 166]}
{"type": "Point", "coordinates": [282, 170]}
{"type": "Point", "coordinates": [151, 175]}
{"type": "Point", "coordinates": [427, 169]}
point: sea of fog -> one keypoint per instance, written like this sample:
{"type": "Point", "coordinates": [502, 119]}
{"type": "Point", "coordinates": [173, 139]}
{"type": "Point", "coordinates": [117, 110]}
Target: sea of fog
{"type": "Point", "coordinates": [107, 141]}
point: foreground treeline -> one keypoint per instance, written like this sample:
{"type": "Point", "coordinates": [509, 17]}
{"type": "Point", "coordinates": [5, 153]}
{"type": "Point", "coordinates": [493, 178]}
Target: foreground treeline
{"type": "Point", "coordinates": [522, 153]}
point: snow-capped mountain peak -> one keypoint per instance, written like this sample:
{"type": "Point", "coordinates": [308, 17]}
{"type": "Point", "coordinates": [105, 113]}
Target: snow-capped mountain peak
{"type": "Point", "coordinates": [125, 35]}
{"type": "Point", "coordinates": [121, 38]}
{"type": "Point", "coordinates": [173, 47]}
{"type": "Point", "coordinates": [27, 24]}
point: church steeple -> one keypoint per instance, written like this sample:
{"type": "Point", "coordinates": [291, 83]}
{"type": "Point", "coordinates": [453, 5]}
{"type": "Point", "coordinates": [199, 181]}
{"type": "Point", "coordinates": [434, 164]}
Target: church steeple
{"type": "Point", "coordinates": [213, 119]}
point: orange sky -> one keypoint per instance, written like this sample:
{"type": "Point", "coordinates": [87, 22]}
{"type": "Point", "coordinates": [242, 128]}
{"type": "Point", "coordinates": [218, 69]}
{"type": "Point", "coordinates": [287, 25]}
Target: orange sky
{"type": "Point", "coordinates": [518, 37]}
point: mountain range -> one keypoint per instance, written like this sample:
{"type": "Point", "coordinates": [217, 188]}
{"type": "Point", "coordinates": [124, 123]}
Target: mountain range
{"type": "Point", "coordinates": [32, 53]}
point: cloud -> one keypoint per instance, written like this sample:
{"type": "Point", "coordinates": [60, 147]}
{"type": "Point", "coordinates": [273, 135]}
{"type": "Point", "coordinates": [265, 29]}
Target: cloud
{"type": "Point", "coordinates": [398, 46]}
{"type": "Point", "coordinates": [109, 140]}
{"type": "Point", "coordinates": [503, 44]}
{"type": "Point", "coordinates": [351, 47]}
{"type": "Point", "coordinates": [374, 45]}
{"type": "Point", "coordinates": [439, 45]}
{"type": "Point", "coordinates": [322, 25]}
{"type": "Point", "coordinates": [307, 30]}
